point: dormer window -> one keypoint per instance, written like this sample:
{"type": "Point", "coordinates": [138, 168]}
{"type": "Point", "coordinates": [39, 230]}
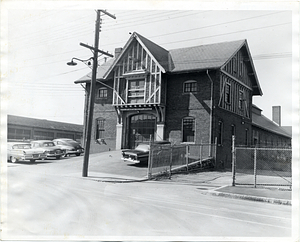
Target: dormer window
{"type": "Point", "coordinates": [190, 86]}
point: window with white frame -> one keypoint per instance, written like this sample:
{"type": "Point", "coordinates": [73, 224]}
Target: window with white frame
{"type": "Point", "coordinates": [190, 86]}
{"type": "Point", "coordinates": [188, 129]}
{"type": "Point", "coordinates": [136, 91]}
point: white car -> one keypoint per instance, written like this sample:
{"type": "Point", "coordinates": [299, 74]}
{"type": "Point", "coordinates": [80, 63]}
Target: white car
{"type": "Point", "coordinates": [23, 152]}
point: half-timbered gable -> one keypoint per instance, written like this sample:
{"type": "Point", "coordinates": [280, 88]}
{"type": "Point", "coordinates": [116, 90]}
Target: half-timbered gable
{"type": "Point", "coordinates": [137, 74]}
{"type": "Point", "coordinates": [238, 83]}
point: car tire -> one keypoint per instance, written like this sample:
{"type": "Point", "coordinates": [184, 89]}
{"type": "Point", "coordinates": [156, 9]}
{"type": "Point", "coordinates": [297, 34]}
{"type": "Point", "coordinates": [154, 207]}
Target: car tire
{"type": "Point", "coordinates": [58, 157]}
{"type": "Point", "coordinates": [13, 159]}
{"type": "Point", "coordinates": [32, 161]}
{"type": "Point", "coordinates": [77, 154]}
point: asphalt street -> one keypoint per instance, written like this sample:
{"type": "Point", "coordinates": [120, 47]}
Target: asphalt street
{"type": "Point", "coordinates": [51, 200]}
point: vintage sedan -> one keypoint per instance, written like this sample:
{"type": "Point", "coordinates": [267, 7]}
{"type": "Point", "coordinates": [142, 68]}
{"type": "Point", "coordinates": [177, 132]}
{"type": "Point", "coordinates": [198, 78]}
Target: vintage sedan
{"type": "Point", "coordinates": [48, 147]}
{"type": "Point", "coordinates": [141, 153]}
{"type": "Point", "coordinates": [69, 146]}
{"type": "Point", "coordinates": [23, 152]}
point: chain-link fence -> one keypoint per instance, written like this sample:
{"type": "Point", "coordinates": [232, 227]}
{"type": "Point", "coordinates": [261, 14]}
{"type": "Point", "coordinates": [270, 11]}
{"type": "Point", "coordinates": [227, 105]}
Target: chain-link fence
{"type": "Point", "coordinates": [165, 159]}
{"type": "Point", "coordinates": [262, 166]}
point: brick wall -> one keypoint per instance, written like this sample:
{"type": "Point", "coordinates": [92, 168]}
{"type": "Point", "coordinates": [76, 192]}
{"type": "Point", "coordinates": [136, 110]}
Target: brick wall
{"type": "Point", "coordinates": [104, 109]}
{"type": "Point", "coordinates": [180, 105]}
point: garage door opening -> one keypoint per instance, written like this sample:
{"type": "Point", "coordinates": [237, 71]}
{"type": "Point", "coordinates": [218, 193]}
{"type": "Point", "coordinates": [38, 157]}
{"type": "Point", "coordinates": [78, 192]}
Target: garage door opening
{"type": "Point", "coordinates": [141, 129]}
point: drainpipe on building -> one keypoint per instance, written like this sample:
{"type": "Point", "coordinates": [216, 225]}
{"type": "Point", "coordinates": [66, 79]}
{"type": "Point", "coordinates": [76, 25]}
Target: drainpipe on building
{"type": "Point", "coordinates": [211, 110]}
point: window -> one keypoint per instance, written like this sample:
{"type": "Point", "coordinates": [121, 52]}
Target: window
{"type": "Point", "coordinates": [246, 137]}
{"type": "Point", "coordinates": [18, 133]}
{"type": "Point", "coordinates": [39, 135]}
{"type": "Point", "coordinates": [241, 68]}
{"type": "Point", "coordinates": [136, 89]}
{"type": "Point", "coordinates": [102, 92]}
{"type": "Point", "coordinates": [227, 92]}
{"type": "Point", "coordinates": [188, 129]}
{"type": "Point", "coordinates": [220, 133]}
{"type": "Point", "coordinates": [65, 135]}
{"type": "Point", "coordinates": [241, 99]}
{"type": "Point", "coordinates": [100, 128]}
{"type": "Point", "coordinates": [232, 130]}
{"type": "Point", "coordinates": [190, 86]}
{"type": "Point", "coordinates": [234, 64]}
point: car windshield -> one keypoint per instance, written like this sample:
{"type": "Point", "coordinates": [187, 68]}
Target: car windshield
{"type": "Point", "coordinates": [48, 144]}
{"type": "Point", "coordinates": [73, 142]}
{"type": "Point", "coordinates": [143, 147]}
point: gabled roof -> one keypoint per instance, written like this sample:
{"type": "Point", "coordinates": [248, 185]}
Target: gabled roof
{"type": "Point", "coordinates": [197, 58]}
{"type": "Point", "coordinates": [204, 57]}
{"type": "Point", "coordinates": [43, 123]}
{"type": "Point", "coordinates": [263, 122]}
{"type": "Point", "coordinates": [160, 54]}
{"type": "Point", "coordinates": [101, 70]}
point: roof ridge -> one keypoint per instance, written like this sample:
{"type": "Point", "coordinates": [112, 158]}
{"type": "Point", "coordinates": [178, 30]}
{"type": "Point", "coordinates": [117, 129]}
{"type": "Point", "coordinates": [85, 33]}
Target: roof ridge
{"type": "Point", "coordinates": [217, 43]}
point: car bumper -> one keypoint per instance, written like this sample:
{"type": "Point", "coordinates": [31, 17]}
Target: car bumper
{"type": "Point", "coordinates": [52, 155]}
{"type": "Point", "coordinates": [32, 157]}
{"type": "Point", "coordinates": [70, 152]}
{"type": "Point", "coordinates": [130, 160]}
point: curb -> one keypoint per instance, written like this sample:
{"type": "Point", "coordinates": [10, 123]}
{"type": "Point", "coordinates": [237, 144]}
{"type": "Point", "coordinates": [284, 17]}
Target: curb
{"type": "Point", "coordinates": [249, 197]}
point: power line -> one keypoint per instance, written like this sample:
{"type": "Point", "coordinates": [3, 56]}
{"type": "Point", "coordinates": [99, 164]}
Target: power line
{"type": "Point", "coordinates": [240, 31]}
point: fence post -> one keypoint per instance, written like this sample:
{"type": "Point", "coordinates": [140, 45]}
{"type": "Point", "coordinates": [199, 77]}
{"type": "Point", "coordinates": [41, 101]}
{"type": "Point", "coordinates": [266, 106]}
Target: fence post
{"type": "Point", "coordinates": [150, 159]}
{"type": "Point", "coordinates": [187, 157]}
{"type": "Point", "coordinates": [255, 154]}
{"type": "Point", "coordinates": [233, 161]}
{"type": "Point", "coordinates": [171, 159]}
{"type": "Point", "coordinates": [201, 145]}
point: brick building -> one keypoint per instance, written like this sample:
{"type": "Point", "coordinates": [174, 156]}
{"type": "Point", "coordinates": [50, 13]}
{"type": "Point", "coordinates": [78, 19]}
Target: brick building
{"type": "Point", "coordinates": [198, 94]}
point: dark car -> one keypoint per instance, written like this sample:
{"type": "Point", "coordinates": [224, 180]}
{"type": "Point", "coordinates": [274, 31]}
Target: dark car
{"type": "Point", "coordinates": [69, 146]}
{"type": "Point", "coordinates": [48, 147]}
{"type": "Point", "coordinates": [141, 153]}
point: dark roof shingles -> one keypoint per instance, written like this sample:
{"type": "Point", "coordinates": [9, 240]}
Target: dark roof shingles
{"type": "Point", "coordinates": [264, 123]}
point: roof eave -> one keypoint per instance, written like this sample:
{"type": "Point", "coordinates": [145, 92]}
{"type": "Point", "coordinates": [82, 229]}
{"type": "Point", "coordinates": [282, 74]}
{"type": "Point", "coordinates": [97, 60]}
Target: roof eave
{"type": "Point", "coordinates": [118, 58]}
{"type": "Point", "coordinates": [193, 70]}
{"type": "Point", "coordinates": [272, 131]}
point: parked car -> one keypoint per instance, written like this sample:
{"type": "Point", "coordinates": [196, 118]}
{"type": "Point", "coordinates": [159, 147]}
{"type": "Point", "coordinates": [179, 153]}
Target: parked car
{"type": "Point", "coordinates": [23, 152]}
{"type": "Point", "coordinates": [48, 147]}
{"type": "Point", "coordinates": [69, 146]}
{"type": "Point", "coordinates": [141, 153]}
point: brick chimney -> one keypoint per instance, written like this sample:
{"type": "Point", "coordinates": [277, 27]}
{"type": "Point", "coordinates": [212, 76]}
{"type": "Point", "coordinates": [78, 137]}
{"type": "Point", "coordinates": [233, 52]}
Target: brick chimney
{"type": "Point", "coordinates": [118, 52]}
{"type": "Point", "coordinates": [276, 114]}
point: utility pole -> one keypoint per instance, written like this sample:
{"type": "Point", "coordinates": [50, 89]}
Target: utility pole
{"type": "Point", "coordinates": [90, 110]}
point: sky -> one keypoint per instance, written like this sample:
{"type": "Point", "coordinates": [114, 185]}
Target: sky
{"type": "Point", "coordinates": [39, 38]}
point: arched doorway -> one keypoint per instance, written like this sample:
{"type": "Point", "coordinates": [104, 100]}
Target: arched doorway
{"type": "Point", "coordinates": [141, 129]}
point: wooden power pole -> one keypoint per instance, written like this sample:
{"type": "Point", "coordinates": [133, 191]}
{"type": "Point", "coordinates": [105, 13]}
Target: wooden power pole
{"type": "Point", "coordinates": [90, 110]}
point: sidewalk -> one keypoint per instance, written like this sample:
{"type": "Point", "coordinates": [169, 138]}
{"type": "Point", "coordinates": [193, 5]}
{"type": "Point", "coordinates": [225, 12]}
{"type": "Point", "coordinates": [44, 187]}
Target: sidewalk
{"type": "Point", "coordinates": [270, 195]}
{"type": "Point", "coordinates": [108, 167]}
{"type": "Point", "coordinates": [220, 184]}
